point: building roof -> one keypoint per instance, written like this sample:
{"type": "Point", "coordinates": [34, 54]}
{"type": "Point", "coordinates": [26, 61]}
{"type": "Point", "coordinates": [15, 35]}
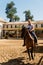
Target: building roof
{"type": "Point", "coordinates": [2, 20]}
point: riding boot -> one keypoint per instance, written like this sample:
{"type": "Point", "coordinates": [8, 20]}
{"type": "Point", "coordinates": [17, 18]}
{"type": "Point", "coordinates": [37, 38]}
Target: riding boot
{"type": "Point", "coordinates": [35, 40]}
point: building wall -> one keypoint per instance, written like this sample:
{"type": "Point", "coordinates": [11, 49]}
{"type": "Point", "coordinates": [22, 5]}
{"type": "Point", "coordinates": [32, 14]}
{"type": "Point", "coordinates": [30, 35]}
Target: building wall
{"type": "Point", "coordinates": [17, 25]}
{"type": "Point", "coordinates": [1, 33]}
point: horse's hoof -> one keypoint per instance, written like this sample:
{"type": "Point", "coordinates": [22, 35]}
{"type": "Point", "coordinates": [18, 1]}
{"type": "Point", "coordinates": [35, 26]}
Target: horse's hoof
{"type": "Point", "coordinates": [31, 62]}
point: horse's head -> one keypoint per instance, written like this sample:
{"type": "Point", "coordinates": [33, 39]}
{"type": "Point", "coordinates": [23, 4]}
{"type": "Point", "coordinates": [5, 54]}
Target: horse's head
{"type": "Point", "coordinates": [24, 31]}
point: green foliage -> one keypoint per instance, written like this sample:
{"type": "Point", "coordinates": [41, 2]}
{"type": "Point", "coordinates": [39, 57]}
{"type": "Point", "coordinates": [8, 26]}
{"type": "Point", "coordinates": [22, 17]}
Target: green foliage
{"type": "Point", "coordinates": [28, 15]}
{"type": "Point", "coordinates": [16, 18]}
{"type": "Point", "coordinates": [10, 5]}
{"type": "Point", "coordinates": [11, 11]}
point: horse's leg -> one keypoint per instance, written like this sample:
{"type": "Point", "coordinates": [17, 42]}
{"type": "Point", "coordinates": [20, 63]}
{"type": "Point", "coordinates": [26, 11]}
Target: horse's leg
{"type": "Point", "coordinates": [32, 53]}
{"type": "Point", "coordinates": [34, 49]}
{"type": "Point", "coordinates": [29, 54]}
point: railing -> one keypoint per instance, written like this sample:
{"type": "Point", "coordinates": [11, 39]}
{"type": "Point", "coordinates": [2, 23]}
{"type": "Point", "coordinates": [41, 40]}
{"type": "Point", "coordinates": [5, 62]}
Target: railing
{"type": "Point", "coordinates": [15, 29]}
{"type": "Point", "coordinates": [11, 29]}
{"type": "Point", "coordinates": [19, 30]}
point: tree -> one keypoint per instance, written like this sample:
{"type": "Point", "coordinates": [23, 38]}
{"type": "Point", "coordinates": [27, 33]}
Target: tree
{"type": "Point", "coordinates": [16, 18]}
{"type": "Point", "coordinates": [28, 15]}
{"type": "Point", "coordinates": [10, 10]}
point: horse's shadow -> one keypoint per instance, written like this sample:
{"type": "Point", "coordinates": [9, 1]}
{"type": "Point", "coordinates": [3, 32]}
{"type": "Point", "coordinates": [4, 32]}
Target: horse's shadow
{"type": "Point", "coordinates": [17, 61]}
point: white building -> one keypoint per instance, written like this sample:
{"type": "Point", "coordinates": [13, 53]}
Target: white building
{"type": "Point", "coordinates": [1, 26]}
{"type": "Point", "coordinates": [10, 26]}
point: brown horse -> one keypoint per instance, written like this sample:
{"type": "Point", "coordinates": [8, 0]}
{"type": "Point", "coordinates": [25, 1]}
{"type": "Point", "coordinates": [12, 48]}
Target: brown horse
{"type": "Point", "coordinates": [29, 42]}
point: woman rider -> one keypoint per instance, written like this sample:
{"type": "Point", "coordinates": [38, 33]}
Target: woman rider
{"type": "Point", "coordinates": [31, 31]}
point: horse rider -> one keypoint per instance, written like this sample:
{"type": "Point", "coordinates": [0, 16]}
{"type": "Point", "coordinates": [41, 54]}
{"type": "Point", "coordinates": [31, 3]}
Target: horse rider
{"type": "Point", "coordinates": [31, 31]}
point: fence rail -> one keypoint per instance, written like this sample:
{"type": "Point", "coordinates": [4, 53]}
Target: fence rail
{"type": "Point", "coordinates": [18, 31]}
{"type": "Point", "coordinates": [14, 29]}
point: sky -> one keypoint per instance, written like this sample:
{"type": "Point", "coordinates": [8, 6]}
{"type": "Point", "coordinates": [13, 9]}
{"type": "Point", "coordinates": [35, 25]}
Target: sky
{"type": "Point", "coordinates": [35, 6]}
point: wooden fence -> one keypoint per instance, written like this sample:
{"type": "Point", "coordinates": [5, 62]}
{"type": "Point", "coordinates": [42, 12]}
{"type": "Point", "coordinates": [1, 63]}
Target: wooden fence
{"type": "Point", "coordinates": [18, 31]}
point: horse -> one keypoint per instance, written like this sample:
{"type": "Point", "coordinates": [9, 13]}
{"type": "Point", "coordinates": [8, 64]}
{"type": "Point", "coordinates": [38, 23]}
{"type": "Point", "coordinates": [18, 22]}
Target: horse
{"type": "Point", "coordinates": [29, 42]}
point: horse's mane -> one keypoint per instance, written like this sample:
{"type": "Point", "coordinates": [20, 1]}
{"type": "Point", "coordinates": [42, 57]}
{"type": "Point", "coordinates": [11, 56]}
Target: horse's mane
{"type": "Point", "coordinates": [29, 34]}
{"type": "Point", "coordinates": [27, 31]}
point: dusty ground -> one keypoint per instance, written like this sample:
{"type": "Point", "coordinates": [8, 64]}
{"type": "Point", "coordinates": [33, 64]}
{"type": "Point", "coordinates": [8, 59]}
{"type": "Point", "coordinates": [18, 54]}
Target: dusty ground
{"type": "Point", "coordinates": [13, 53]}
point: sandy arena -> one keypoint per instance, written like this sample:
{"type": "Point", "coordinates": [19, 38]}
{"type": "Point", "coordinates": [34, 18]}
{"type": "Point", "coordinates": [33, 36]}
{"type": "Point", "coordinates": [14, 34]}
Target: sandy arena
{"type": "Point", "coordinates": [13, 53]}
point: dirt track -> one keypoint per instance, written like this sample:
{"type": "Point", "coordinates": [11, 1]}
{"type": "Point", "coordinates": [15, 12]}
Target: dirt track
{"type": "Point", "coordinates": [13, 53]}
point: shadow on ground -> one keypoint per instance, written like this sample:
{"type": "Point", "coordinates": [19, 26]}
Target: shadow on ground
{"type": "Point", "coordinates": [17, 61]}
{"type": "Point", "coordinates": [40, 61]}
